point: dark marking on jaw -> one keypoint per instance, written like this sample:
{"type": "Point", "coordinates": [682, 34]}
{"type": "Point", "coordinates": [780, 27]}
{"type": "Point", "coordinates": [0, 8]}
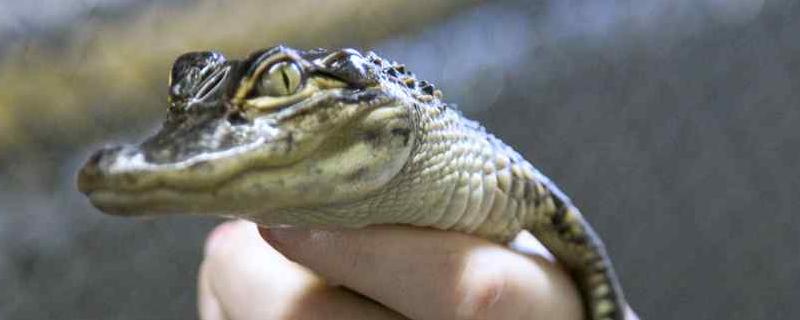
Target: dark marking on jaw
{"type": "Point", "coordinates": [404, 132]}
{"type": "Point", "coordinates": [371, 136]}
{"type": "Point", "coordinates": [323, 116]}
{"type": "Point", "coordinates": [260, 187]}
{"type": "Point", "coordinates": [289, 141]}
{"type": "Point", "coordinates": [357, 175]}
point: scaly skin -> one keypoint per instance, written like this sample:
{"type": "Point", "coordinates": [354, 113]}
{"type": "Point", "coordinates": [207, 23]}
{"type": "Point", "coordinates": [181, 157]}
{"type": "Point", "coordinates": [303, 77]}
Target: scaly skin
{"type": "Point", "coordinates": [320, 137]}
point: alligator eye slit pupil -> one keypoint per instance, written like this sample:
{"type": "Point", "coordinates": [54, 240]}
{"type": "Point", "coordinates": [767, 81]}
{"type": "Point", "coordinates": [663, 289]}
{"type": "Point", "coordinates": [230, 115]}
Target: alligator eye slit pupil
{"type": "Point", "coordinates": [285, 78]}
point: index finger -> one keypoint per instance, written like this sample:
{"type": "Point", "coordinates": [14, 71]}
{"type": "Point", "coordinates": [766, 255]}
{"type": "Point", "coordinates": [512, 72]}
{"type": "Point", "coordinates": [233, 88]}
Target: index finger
{"type": "Point", "coordinates": [431, 274]}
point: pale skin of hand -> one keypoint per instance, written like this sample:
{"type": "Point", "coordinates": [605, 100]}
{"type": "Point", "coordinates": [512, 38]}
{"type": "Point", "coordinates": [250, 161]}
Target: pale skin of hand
{"type": "Point", "coordinates": [381, 272]}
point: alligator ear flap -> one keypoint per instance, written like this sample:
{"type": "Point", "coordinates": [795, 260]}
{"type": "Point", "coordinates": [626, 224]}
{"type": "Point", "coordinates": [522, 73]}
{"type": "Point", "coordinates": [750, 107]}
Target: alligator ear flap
{"type": "Point", "coordinates": [189, 75]}
{"type": "Point", "coordinates": [349, 66]}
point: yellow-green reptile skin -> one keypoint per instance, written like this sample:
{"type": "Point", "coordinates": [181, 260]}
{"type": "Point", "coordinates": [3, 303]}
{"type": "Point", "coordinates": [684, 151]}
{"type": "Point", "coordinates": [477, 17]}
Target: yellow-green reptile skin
{"type": "Point", "coordinates": [336, 137]}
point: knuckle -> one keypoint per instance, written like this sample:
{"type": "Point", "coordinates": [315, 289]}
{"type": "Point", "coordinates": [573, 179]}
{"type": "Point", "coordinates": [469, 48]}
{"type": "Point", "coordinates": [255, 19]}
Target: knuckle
{"type": "Point", "coordinates": [480, 292]}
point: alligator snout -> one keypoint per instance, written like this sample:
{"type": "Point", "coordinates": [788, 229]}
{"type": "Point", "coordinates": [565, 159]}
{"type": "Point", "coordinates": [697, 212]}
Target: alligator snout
{"type": "Point", "coordinates": [94, 173]}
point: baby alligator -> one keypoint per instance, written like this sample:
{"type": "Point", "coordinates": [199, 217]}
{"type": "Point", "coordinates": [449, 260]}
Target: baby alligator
{"type": "Point", "coordinates": [337, 137]}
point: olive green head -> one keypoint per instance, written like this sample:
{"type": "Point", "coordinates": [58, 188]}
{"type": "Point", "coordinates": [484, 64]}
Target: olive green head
{"type": "Point", "coordinates": [283, 128]}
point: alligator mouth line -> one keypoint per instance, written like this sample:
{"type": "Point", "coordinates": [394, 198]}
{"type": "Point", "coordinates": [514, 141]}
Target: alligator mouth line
{"type": "Point", "coordinates": [89, 183]}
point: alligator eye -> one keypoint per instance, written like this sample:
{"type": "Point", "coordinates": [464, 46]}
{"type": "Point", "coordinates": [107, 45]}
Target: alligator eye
{"type": "Point", "coordinates": [281, 79]}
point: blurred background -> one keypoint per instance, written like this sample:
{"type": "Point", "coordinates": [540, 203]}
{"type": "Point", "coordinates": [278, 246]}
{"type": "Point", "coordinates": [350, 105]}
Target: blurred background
{"type": "Point", "coordinates": [675, 126]}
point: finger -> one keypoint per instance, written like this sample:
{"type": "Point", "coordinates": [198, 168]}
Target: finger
{"type": "Point", "coordinates": [241, 277]}
{"type": "Point", "coordinates": [430, 274]}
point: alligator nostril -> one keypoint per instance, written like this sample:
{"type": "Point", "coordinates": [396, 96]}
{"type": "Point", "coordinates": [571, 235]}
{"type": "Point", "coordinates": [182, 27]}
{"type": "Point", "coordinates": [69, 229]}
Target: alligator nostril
{"type": "Point", "coordinates": [89, 176]}
{"type": "Point", "coordinates": [92, 173]}
{"type": "Point", "coordinates": [94, 159]}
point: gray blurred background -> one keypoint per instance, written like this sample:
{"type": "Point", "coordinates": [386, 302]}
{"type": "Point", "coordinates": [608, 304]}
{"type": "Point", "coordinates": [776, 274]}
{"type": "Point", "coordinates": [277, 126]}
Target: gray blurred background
{"type": "Point", "coordinates": [675, 125]}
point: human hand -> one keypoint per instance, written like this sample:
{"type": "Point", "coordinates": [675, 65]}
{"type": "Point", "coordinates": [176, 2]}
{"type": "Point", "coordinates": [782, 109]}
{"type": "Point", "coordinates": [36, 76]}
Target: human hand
{"type": "Point", "coordinates": [397, 272]}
